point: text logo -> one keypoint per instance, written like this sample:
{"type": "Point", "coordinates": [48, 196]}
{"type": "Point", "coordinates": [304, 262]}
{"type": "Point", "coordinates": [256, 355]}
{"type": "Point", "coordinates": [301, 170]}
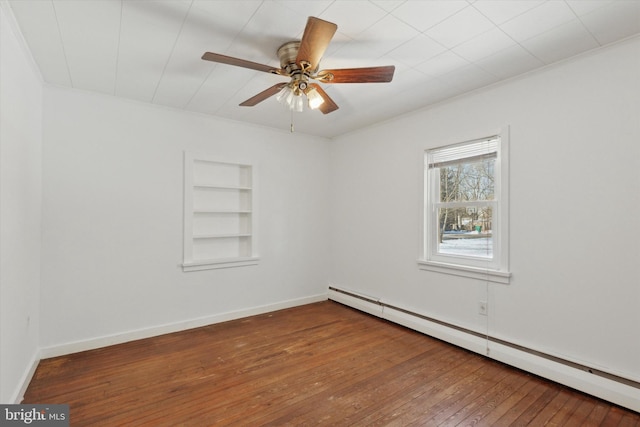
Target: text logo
{"type": "Point", "coordinates": [34, 415]}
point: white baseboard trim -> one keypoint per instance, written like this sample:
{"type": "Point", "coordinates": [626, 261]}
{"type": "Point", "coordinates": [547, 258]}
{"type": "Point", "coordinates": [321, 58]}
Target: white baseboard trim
{"type": "Point", "coordinates": [608, 389]}
{"type": "Point", "coordinates": [104, 341]}
{"type": "Point", "coordinates": [18, 395]}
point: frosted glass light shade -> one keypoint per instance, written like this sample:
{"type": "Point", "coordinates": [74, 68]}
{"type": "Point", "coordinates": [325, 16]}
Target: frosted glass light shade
{"type": "Point", "coordinates": [315, 100]}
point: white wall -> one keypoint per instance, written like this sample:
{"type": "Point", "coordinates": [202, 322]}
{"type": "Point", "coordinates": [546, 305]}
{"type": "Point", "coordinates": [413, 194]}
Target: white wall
{"type": "Point", "coordinates": [112, 214]}
{"type": "Point", "coordinates": [575, 238]}
{"type": "Point", "coordinates": [112, 239]}
{"type": "Point", "coordinates": [20, 210]}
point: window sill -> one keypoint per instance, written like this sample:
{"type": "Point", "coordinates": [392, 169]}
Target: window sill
{"type": "Point", "coordinates": [465, 271]}
{"type": "Point", "coordinates": [219, 263]}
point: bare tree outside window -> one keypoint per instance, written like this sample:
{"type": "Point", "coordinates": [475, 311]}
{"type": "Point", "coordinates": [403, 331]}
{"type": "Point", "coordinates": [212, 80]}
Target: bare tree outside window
{"type": "Point", "coordinates": [460, 223]}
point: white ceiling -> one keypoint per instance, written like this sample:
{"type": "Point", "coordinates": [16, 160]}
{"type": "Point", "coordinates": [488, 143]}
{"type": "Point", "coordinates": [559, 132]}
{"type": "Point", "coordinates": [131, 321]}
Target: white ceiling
{"type": "Point", "coordinates": [150, 50]}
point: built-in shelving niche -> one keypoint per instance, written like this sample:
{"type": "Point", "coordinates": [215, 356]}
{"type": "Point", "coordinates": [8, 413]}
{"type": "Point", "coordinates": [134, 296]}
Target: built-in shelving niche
{"type": "Point", "coordinates": [219, 214]}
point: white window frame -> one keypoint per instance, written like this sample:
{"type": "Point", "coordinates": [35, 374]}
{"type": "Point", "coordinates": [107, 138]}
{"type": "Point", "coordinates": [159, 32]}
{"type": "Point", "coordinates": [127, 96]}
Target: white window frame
{"type": "Point", "coordinates": [495, 269]}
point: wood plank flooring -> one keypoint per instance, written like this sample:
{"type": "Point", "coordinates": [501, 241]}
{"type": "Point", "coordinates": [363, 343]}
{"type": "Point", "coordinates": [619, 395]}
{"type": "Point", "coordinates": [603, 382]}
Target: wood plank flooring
{"type": "Point", "coordinates": [322, 363]}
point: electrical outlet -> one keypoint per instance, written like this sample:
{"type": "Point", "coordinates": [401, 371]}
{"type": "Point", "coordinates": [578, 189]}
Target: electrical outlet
{"type": "Point", "coordinates": [483, 308]}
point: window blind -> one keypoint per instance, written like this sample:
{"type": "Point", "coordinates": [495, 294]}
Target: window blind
{"type": "Point", "coordinates": [485, 148]}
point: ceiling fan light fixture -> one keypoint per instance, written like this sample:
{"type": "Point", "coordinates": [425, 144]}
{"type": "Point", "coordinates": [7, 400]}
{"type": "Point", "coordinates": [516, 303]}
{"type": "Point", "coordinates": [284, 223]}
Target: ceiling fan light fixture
{"type": "Point", "coordinates": [298, 103]}
{"type": "Point", "coordinates": [314, 98]}
{"type": "Point", "coordinates": [283, 94]}
{"type": "Point", "coordinates": [291, 97]}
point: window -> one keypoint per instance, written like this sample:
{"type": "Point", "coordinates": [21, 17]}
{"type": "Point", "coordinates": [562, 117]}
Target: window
{"type": "Point", "coordinates": [466, 209]}
{"type": "Point", "coordinates": [219, 214]}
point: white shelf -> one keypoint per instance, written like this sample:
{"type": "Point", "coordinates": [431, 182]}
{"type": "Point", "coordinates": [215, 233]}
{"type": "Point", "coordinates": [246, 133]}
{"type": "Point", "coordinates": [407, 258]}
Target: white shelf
{"type": "Point", "coordinates": [220, 187]}
{"type": "Point", "coordinates": [220, 236]}
{"type": "Point", "coordinates": [210, 264]}
{"type": "Point", "coordinates": [212, 211]}
{"type": "Point", "coordinates": [220, 221]}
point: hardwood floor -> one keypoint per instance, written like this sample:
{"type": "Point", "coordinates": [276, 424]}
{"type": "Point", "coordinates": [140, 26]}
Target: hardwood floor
{"type": "Point", "coordinates": [321, 363]}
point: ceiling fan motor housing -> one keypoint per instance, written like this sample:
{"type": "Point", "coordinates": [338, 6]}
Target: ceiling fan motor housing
{"type": "Point", "coordinates": [288, 53]}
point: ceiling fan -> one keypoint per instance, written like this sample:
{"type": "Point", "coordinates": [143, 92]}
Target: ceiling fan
{"type": "Point", "coordinates": [300, 61]}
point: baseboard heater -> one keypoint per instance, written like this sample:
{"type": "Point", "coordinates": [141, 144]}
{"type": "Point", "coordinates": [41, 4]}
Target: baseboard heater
{"type": "Point", "coordinates": [611, 387]}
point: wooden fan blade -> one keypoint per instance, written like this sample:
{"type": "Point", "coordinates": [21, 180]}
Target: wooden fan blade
{"type": "Point", "coordinates": [315, 39]}
{"type": "Point", "coordinates": [224, 59]}
{"type": "Point", "coordinates": [263, 95]}
{"type": "Point", "coordinates": [328, 105]}
{"type": "Point", "coordinates": [357, 75]}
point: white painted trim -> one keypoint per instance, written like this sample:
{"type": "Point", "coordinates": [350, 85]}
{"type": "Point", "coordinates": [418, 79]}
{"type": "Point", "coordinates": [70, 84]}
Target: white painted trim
{"type": "Point", "coordinates": [93, 343]}
{"type": "Point", "coordinates": [604, 388]}
{"type": "Point", "coordinates": [213, 264]}
{"type": "Point", "coordinates": [25, 380]}
{"type": "Point", "coordinates": [465, 271]}
{"type": "Point", "coordinates": [496, 270]}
